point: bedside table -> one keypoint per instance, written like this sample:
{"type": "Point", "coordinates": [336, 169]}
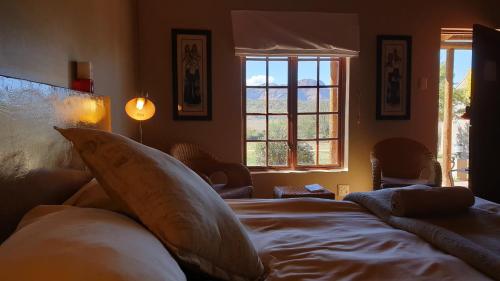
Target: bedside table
{"type": "Point", "coordinates": [281, 192]}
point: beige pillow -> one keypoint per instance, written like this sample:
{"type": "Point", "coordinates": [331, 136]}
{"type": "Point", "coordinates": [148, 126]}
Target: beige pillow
{"type": "Point", "coordinates": [92, 195]}
{"type": "Point", "coordinates": [41, 186]}
{"type": "Point", "coordinates": [172, 201]}
{"type": "Point", "coordinates": [81, 244]}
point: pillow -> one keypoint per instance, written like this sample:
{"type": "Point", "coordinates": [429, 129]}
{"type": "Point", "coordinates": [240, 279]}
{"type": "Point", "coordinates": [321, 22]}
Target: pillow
{"type": "Point", "coordinates": [41, 186]}
{"type": "Point", "coordinates": [92, 195]}
{"type": "Point", "coordinates": [80, 244]}
{"type": "Point", "coordinates": [191, 219]}
{"type": "Point", "coordinates": [420, 201]}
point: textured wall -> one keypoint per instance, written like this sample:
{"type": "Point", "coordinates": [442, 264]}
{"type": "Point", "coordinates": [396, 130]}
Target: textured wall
{"type": "Point", "coordinates": [421, 19]}
{"type": "Point", "coordinates": [28, 111]}
{"type": "Point", "coordinates": [38, 39]}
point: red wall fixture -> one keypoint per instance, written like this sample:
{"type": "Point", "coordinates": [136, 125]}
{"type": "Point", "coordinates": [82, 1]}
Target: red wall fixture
{"type": "Point", "coordinates": [83, 81]}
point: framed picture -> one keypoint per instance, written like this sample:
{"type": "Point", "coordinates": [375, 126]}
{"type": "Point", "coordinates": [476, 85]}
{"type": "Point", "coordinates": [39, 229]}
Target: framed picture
{"type": "Point", "coordinates": [192, 75]}
{"type": "Point", "coordinates": [393, 77]}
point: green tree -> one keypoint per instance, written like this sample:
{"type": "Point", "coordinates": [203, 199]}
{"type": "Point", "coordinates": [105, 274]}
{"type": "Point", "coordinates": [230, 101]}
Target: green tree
{"type": "Point", "coordinates": [461, 96]}
{"type": "Point", "coordinates": [305, 154]}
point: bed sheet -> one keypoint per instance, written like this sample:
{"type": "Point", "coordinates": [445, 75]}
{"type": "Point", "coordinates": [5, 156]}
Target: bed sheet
{"type": "Point", "coordinates": [318, 239]}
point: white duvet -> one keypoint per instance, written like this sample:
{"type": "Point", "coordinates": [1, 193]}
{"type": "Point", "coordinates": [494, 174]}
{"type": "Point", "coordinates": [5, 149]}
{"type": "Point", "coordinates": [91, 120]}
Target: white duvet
{"type": "Point", "coordinates": [314, 239]}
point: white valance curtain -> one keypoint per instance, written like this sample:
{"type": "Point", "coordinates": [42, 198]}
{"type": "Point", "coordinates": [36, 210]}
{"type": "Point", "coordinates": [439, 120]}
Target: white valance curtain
{"type": "Point", "coordinates": [265, 33]}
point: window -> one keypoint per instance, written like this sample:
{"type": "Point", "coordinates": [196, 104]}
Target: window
{"type": "Point", "coordinates": [293, 113]}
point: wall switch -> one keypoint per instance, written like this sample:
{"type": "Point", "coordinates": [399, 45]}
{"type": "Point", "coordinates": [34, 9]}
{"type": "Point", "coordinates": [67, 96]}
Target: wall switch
{"type": "Point", "coordinates": [342, 190]}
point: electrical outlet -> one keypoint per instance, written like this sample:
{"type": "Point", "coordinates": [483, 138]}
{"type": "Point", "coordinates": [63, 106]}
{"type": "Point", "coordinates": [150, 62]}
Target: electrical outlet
{"type": "Point", "coordinates": [343, 190]}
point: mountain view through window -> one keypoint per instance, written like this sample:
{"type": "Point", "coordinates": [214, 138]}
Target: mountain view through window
{"type": "Point", "coordinates": [292, 111]}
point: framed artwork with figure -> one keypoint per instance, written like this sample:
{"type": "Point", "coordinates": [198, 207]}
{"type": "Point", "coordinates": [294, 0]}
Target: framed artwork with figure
{"type": "Point", "coordinates": [393, 77]}
{"type": "Point", "coordinates": [192, 75]}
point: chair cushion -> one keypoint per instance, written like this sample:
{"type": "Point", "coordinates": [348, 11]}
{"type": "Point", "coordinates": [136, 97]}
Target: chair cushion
{"type": "Point", "coordinates": [388, 182]}
{"type": "Point", "coordinates": [233, 192]}
{"type": "Point", "coordinates": [179, 207]}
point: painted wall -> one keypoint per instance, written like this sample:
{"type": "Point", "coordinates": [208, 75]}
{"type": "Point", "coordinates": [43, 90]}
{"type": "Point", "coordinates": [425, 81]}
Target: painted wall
{"type": "Point", "coordinates": [39, 39]}
{"type": "Point", "coordinates": [420, 19]}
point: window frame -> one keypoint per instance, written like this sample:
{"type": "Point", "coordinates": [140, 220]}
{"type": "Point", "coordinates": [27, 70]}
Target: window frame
{"type": "Point", "coordinates": [292, 114]}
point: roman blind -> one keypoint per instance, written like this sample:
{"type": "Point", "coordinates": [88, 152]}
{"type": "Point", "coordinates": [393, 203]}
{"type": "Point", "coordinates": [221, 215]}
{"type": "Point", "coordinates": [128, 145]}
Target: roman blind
{"type": "Point", "coordinates": [269, 33]}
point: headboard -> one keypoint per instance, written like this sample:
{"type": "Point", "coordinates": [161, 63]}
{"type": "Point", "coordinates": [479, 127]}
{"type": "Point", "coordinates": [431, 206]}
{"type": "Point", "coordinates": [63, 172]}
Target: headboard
{"type": "Point", "coordinates": [28, 112]}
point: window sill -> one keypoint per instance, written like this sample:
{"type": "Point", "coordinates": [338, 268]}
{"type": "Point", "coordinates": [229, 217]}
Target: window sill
{"type": "Point", "coordinates": [341, 170]}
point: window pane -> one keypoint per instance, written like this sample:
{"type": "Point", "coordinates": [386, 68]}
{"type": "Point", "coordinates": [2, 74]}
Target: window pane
{"type": "Point", "coordinates": [328, 152]}
{"type": "Point", "coordinates": [306, 99]}
{"type": "Point", "coordinates": [278, 73]}
{"type": "Point", "coordinates": [256, 100]}
{"type": "Point", "coordinates": [278, 127]}
{"type": "Point", "coordinates": [306, 126]}
{"type": "Point", "coordinates": [328, 100]}
{"type": "Point", "coordinates": [329, 73]}
{"type": "Point", "coordinates": [278, 154]}
{"type": "Point", "coordinates": [306, 153]}
{"type": "Point", "coordinates": [256, 127]}
{"type": "Point", "coordinates": [278, 100]}
{"type": "Point", "coordinates": [256, 73]}
{"type": "Point", "coordinates": [256, 154]}
{"type": "Point", "coordinates": [307, 73]}
{"type": "Point", "coordinates": [328, 126]}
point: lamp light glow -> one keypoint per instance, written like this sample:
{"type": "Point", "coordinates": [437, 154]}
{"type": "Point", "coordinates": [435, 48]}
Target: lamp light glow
{"type": "Point", "coordinates": [140, 103]}
{"type": "Point", "coordinates": [140, 109]}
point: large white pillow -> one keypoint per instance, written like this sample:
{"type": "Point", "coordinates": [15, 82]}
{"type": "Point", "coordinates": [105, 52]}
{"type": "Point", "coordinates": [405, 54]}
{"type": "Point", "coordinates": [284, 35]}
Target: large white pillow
{"type": "Point", "coordinates": [82, 244]}
{"type": "Point", "coordinates": [177, 205]}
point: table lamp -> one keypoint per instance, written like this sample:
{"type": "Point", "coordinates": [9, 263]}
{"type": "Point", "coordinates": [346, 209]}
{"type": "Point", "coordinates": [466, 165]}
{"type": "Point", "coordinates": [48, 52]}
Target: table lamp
{"type": "Point", "coordinates": [140, 109]}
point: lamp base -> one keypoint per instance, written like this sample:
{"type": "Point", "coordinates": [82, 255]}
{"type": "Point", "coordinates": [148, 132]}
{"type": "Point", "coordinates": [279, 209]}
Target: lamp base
{"type": "Point", "coordinates": [140, 131]}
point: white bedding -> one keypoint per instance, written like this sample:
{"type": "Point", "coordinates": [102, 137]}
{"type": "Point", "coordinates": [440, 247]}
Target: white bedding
{"type": "Point", "coordinates": [62, 243]}
{"type": "Point", "coordinates": [297, 239]}
{"type": "Point", "coordinates": [314, 239]}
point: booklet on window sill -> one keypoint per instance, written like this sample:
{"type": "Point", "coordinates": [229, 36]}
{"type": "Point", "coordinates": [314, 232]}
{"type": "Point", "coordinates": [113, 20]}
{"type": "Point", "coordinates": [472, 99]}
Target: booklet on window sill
{"type": "Point", "coordinates": [314, 188]}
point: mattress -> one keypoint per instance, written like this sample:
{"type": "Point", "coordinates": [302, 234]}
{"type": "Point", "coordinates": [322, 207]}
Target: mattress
{"type": "Point", "coordinates": [317, 239]}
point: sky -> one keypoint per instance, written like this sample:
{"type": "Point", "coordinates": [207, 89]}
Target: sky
{"type": "Point", "coordinates": [463, 61]}
{"type": "Point", "coordinates": [278, 72]}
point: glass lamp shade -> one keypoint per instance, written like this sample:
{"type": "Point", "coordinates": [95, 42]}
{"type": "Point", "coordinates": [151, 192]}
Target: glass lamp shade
{"type": "Point", "coordinates": [140, 108]}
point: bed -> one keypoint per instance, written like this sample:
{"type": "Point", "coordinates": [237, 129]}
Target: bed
{"type": "Point", "coordinates": [315, 239]}
{"type": "Point", "coordinates": [295, 239]}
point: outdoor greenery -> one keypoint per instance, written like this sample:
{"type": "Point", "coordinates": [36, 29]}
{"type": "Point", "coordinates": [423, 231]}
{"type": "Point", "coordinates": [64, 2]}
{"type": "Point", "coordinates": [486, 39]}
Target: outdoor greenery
{"type": "Point", "coordinates": [461, 95]}
{"type": "Point", "coordinates": [278, 153]}
{"type": "Point", "coordinates": [463, 142]}
{"type": "Point", "coordinates": [278, 126]}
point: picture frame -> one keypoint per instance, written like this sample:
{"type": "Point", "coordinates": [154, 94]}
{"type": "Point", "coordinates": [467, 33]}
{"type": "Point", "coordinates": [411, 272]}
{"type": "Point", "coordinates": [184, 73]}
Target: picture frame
{"type": "Point", "coordinates": [192, 74]}
{"type": "Point", "coordinates": [393, 77]}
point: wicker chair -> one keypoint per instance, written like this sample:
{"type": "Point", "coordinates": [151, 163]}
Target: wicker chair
{"type": "Point", "coordinates": [239, 182]}
{"type": "Point", "coordinates": [401, 162]}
